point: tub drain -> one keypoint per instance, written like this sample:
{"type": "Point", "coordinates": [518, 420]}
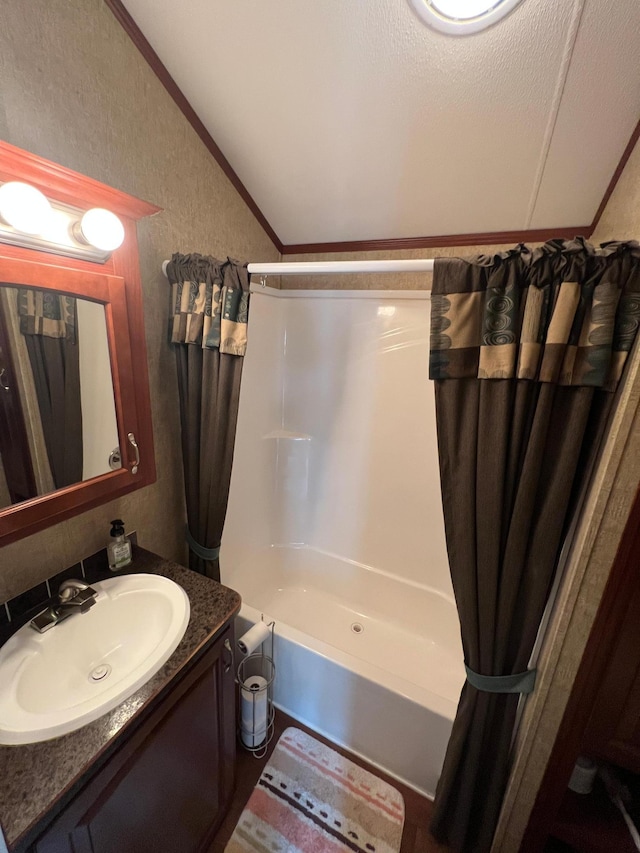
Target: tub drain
{"type": "Point", "coordinates": [100, 672]}
{"type": "Point", "coordinates": [357, 628]}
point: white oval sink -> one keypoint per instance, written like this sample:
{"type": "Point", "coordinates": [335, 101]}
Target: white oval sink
{"type": "Point", "coordinates": [57, 682]}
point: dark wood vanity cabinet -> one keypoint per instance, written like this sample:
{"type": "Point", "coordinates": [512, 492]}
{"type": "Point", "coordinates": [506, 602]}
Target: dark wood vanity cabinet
{"type": "Point", "coordinates": [168, 786]}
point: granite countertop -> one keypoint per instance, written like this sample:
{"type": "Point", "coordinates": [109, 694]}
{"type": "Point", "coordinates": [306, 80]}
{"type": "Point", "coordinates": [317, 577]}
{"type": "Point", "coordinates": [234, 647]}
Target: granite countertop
{"type": "Point", "coordinates": [35, 776]}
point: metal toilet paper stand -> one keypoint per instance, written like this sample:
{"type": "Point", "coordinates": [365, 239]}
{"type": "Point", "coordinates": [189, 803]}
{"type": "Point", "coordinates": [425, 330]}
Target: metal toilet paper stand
{"type": "Point", "coordinates": [256, 714]}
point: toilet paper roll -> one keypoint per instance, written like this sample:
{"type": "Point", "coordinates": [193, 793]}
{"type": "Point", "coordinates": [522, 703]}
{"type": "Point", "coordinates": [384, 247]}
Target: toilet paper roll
{"type": "Point", "coordinates": [250, 641]}
{"type": "Point", "coordinates": [583, 776]}
{"type": "Point", "coordinates": [253, 711]}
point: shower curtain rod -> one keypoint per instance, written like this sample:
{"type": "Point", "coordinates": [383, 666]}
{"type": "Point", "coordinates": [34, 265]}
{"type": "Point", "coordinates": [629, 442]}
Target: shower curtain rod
{"type": "Point", "coordinates": [333, 267]}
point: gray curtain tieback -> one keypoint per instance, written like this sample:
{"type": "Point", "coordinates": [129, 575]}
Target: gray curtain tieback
{"type": "Point", "coordinates": [520, 682]}
{"type": "Point", "coordinates": [199, 550]}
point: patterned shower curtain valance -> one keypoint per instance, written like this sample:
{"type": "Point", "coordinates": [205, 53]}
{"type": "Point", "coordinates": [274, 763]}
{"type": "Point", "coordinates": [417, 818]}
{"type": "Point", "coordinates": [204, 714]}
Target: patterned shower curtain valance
{"type": "Point", "coordinates": [565, 313]}
{"type": "Point", "coordinates": [47, 314]}
{"type": "Point", "coordinates": [210, 303]}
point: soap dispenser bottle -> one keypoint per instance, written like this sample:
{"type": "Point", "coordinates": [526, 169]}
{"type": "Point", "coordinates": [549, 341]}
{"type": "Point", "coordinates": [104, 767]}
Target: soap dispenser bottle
{"type": "Point", "coordinates": [119, 549]}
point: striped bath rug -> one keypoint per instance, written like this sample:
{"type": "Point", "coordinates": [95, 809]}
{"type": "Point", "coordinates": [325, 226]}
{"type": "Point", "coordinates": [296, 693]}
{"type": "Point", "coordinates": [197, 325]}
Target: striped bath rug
{"type": "Point", "coordinates": [309, 799]}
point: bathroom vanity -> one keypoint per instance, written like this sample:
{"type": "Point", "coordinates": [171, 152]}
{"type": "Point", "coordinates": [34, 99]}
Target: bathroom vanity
{"type": "Point", "coordinates": [154, 774]}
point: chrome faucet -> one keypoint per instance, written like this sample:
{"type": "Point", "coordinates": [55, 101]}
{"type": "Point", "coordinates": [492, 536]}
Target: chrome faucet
{"type": "Point", "coordinates": [74, 596]}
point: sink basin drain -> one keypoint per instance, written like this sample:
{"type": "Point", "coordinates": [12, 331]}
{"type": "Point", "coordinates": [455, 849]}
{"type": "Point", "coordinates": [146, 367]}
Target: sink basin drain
{"type": "Point", "coordinates": [357, 628]}
{"type": "Point", "coordinates": [100, 672]}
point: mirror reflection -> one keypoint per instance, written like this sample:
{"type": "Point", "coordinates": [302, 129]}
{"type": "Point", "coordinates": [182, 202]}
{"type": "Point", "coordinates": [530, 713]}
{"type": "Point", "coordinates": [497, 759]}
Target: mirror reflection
{"type": "Point", "coordinates": [57, 410]}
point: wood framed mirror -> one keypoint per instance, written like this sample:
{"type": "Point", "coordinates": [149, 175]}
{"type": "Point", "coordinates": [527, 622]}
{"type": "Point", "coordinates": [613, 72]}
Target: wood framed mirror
{"type": "Point", "coordinates": [75, 416]}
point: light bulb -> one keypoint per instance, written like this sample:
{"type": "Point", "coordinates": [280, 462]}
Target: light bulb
{"type": "Point", "coordinates": [463, 9]}
{"type": "Point", "coordinates": [462, 17]}
{"type": "Point", "coordinates": [102, 229]}
{"type": "Point", "coordinates": [24, 207]}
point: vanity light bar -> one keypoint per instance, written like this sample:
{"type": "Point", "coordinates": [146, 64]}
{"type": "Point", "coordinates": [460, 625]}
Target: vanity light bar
{"type": "Point", "coordinates": [30, 220]}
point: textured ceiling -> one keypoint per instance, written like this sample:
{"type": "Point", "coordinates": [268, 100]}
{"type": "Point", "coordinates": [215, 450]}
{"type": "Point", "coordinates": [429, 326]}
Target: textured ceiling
{"type": "Point", "coordinates": [351, 120]}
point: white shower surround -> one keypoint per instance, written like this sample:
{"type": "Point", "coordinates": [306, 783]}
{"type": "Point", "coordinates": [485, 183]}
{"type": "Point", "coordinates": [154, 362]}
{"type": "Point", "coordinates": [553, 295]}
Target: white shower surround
{"type": "Point", "coordinates": [335, 520]}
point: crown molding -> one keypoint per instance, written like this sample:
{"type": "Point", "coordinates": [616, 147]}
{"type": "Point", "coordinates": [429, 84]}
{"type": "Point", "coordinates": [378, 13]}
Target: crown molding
{"type": "Point", "coordinates": [487, 238]}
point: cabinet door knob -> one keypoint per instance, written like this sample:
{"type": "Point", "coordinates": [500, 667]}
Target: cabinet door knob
{"type": "Point", "coordinates": [134, 444]}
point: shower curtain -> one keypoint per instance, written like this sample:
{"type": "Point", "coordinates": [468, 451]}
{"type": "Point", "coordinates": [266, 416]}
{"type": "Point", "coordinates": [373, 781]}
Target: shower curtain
{"type": "Point", "coordinates": [26, 390]}
{"type": "Point", "coordinates": [527, 347]}
{"type": "Point", "coordinates": [210, 311]}
{"type": "Point", "coordinates": [49, 325]}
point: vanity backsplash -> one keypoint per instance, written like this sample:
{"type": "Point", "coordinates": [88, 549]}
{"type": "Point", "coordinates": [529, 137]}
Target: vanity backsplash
{"type": "Point", "coordinates": [18, 610]}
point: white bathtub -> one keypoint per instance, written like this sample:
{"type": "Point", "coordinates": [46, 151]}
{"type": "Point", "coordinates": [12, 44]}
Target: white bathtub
{"type": "Point", "coordinates": [335, 518]}
{"type": "Point", "coordinates": [370, 661]}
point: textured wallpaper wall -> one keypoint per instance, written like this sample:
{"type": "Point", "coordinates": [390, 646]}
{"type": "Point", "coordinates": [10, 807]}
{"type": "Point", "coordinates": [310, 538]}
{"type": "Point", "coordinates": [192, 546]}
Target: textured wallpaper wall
{"type": "Point", "coordinates": [378, 281]}
{"type": "Point", "coordinates": [75, 90]}
{"type": "Point", "coordinates": [621, 217]}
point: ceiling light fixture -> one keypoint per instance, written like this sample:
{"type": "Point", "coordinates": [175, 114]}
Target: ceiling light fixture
{"type": "Point", "coordinates": [462, 17]}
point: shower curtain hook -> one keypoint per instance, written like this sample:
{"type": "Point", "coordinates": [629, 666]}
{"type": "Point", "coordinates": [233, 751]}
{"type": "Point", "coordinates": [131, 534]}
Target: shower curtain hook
{"type": "Point", "coordinates": [263, 281]}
